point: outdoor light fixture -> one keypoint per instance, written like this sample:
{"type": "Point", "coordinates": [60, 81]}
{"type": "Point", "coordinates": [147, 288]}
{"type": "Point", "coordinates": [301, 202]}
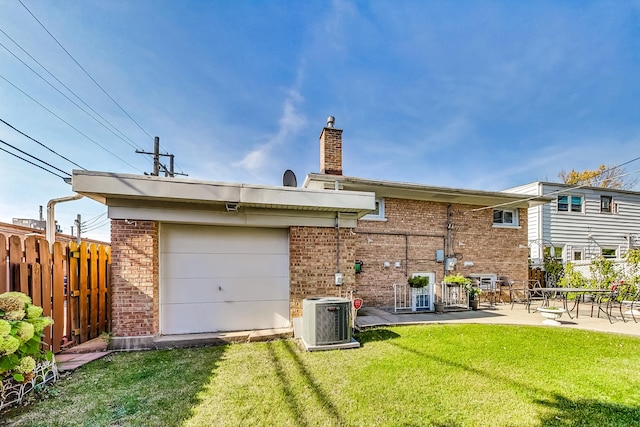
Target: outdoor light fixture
{"type": "Point", "coordinates": [231, 207]}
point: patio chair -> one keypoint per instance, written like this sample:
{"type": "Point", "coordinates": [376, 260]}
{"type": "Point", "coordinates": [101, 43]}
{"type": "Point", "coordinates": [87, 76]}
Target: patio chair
{"type": "Point", "coordinates": [517, 292]}
{"type": "Point", "coordinates": [533, 295]}
{"type": "Point", "coordinates": [606, 302]}
{"type": "Point", "coordinates": [629, 304]}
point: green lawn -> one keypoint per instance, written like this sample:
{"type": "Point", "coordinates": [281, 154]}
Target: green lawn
{"type": "Point", "coordinates": [439, 375]}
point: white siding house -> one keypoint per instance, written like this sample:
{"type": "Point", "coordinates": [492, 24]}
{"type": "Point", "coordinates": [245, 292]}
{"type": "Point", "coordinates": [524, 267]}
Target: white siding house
{"type": "Point", "coordinates": [582, 222]}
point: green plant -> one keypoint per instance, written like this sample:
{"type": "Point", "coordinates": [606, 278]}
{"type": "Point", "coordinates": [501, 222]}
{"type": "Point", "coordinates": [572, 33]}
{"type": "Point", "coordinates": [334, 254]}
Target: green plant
{"type": "Point", "coordinates": [418, 281]}
{"type": "Point", "coordinates": [603, 273]}
{"type": "Point", "coordinates": [457, 278]}
{"type": "Point", "coordinates": [572, 278]}
{"type": "Point", "coordinates": [21, 326]}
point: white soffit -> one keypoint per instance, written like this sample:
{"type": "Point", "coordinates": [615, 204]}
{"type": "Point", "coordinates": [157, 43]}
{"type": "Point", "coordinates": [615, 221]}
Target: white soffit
{"type": "Point", "coordinates": [105, 187]}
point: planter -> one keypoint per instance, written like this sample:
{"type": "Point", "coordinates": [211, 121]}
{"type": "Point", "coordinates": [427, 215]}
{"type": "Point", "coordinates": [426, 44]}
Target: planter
{"type": "Point", "coordinates": [474, 304]}
{"type": "Point", "coordinates": [439, 307]}
{"type": "Point", "coordinates": [12, 392]}
{"type": "Point", "coordinates": [551, 315]}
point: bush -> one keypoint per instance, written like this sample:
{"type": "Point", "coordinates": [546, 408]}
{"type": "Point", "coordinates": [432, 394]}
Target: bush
{"type": "Point", "coordinates": [21, 326]}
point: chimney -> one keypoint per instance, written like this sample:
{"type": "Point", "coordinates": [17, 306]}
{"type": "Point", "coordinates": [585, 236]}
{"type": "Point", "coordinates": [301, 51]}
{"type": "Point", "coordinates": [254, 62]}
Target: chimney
{"type": "Point", "coordinates": [331, 149]}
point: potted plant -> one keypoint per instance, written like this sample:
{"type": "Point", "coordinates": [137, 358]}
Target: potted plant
{"type": "Point", "coordinates": [474, 299]}
{"type": "Point", "coordinates": [418, 281]}
{"type": "Point", "coordinates": [439, 305]}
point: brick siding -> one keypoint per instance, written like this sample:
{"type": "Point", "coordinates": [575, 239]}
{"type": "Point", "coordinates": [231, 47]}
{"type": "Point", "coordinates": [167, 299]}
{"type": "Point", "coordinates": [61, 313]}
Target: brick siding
{"type": "Point", "coordinates": [312, 263]}
{"type": "Point", "coordinates": [412, 233]}
{"type": "Point", "coordinates": [134, 284]}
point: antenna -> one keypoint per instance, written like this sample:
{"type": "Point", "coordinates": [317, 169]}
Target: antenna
{"type": "Point", "coordinates": [289, 179]}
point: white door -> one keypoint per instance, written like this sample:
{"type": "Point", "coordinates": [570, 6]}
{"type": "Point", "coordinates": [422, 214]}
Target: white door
{"type": "Point", "coordinates": [223, 278]}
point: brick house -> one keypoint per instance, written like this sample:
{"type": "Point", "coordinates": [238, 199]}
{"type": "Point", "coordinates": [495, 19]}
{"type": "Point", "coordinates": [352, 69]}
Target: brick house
{"type": "Point", "coordinates": [193, 257]}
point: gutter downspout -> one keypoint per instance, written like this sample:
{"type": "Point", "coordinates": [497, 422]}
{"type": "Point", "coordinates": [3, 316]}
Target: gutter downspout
{"type": "Point", "coordinates": [51, 217]}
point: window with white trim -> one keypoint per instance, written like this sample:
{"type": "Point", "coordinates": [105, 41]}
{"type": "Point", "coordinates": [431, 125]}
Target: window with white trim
{"type": "Point", "coordinates": [569, 203]}
{"type": "Point", "coordinates": [505, 217]}
{"type": "Point", "coordinates": [606, 204]}
{"type": "Point", "coordinates": [378, 213]}
{"type": "Point", "coordinates": [576, 255]}
{"type": "Point", "coordinates": [609, 252]}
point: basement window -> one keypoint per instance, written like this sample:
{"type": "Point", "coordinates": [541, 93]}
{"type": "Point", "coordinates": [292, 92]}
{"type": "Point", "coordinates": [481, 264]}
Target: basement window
{"type": "Point", "coordinates": [378, 213]}
{"type": "Point", "coordinates": [609, 253]}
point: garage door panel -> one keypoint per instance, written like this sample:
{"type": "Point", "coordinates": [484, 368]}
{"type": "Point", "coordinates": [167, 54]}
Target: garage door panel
{"type": "Point", "coordinates": [213, 317]}
{"type": "Point", "coordinates": [223, 278]}
{"type": "Point", "coordinates": [230, 289]}
{"type": "Point", "coordinates": [225, 265]}
{"type": "Point", "coordinates": [198, 239]}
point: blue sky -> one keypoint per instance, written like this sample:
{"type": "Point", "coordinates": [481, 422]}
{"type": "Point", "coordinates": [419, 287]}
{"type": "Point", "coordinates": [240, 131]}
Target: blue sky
{"type": "Point", "coordinates": [482, 95]}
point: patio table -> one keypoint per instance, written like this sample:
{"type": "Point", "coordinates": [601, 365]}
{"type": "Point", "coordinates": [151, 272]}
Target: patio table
{"type": "Point", "coordinates": [579, 292]}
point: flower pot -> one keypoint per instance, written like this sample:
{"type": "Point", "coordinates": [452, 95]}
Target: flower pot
{"type": "Point", "coordinates": [439, 307]}
{"type": "Point", "coordinates": [474, 303]}
{"type": "Point", "coordinates": [551, 316]}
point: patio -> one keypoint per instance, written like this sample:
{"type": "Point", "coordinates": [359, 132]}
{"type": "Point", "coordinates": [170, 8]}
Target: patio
{"type": "Point", "coordinates": [500, 313]}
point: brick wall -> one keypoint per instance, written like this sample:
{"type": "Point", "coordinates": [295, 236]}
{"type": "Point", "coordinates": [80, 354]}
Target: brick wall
{"type": "Point", "coordinates": [312, 264]}
{"type": "Point", "coordinates": [134, 287]}
{"type": "Point", "coordinates": [412, 233]}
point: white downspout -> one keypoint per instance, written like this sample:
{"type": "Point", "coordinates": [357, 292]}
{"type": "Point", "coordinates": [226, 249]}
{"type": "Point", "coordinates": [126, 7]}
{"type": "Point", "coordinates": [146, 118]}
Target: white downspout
{"type": "Point", "coordinates": [51, 216]}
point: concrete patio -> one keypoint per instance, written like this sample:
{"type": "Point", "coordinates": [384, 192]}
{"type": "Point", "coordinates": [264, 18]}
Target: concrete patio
{"type": "Point", "coordinates": [498, 314]}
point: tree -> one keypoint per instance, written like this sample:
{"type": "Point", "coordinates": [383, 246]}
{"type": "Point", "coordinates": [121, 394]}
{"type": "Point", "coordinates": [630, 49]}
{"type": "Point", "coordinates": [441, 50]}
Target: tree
{"type": "Point", "coordinates": [604, 176]}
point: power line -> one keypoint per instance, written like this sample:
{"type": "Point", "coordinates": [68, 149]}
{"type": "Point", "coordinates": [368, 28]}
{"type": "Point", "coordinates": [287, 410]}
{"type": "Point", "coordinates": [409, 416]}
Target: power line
{"type": "Point", "coordinates": [40, 143]}
{"type": "Point", "coordinates": [121, 136]}
{"type": "Point", "coordinates": [33, 157]}
{"type": "Point", "coordinates": [28, 161]}
{"type": "Point", "coordinates": [85, 71]}
{"type": "Point", "coordinates": [68, 124]}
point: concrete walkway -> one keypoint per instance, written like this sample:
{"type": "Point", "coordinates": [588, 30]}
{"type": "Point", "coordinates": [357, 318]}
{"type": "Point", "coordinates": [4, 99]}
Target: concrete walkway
{"type": "Point", "coordinates": [499, 314]}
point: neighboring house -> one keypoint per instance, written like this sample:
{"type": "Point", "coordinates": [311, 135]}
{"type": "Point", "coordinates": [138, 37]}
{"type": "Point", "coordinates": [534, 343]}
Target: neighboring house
{"type": "Point", "coordinates": [582, 222]}
{"type": "Point", "coordinates": [194, 257]}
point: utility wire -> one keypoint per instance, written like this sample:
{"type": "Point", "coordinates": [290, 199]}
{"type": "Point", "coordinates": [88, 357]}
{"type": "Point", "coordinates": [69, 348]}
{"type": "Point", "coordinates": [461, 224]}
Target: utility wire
{"type": "Point", "coordinates": [41, 144]}
{"type": "Point", "coordinates": [28, 161]}
{"type": "Point", "coordinates": [131, 142]}
{"type": "Point", "coordinates": [69, 124]}
{"type": "Point", "coordinates": [94, 219]}
{"type": "Point", "coordinates": [85, 71]}
{"type": "Point", "coordinates": [90, 76]}
{"type": "Point", "coordinates": [34, 157]}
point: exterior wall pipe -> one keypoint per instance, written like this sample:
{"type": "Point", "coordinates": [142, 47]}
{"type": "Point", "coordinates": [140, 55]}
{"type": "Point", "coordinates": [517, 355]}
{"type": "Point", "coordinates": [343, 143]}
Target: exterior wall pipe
{"type": "Point", "coordinates": [51, 217]}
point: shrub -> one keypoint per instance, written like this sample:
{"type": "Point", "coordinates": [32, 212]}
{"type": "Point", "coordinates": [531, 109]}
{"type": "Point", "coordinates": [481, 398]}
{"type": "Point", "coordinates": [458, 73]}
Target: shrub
{"type": "Point", "coordinates": [21, 326]}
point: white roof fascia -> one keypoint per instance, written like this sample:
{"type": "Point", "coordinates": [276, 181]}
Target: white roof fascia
{"type": "Point", "coordinates": [402, 190]}
{"type": "Point", "coordinates": [105, 186]}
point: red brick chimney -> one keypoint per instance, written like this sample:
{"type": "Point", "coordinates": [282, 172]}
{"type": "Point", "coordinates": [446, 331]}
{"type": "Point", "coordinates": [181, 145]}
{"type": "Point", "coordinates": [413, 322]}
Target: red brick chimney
{"type": "Point", "coordinates": [331, 149]}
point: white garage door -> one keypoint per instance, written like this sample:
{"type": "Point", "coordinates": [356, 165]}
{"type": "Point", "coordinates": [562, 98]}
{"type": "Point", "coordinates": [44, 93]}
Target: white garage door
{"type": "Point", "coordinates": [223, 278]}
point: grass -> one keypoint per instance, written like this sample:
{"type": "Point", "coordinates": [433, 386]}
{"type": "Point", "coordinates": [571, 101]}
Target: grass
{"type": "Point", "coordinates": [439, 375]}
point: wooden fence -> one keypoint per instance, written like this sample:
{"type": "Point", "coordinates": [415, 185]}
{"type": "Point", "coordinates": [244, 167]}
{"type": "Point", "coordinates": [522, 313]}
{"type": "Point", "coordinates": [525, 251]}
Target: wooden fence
{"type": "Point", "coordinates": [71, 284]}
{"type": "Point", "coordinates": [539, 275]}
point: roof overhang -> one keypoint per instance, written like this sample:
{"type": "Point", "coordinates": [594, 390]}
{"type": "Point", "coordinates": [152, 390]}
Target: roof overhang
{"type": "Point", "coordinates": [114, 189]}
{"type": "Point", "coordinates": [402, 190]}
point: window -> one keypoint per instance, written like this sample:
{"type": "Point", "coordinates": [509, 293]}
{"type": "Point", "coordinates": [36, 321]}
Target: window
{"type": "Point", "coordinates": [577, 255]}
{"type": "Point", "coordinates": [378, 213]}
{"type": "Point", "coordinates": [556, 253]}
{"type": "Point", "coordinates": [606, 204]}
{"type": "Point", "coordinates": [609, 253]}
{"type": "Point", "coordinates": [505, 217]}
{"type": "Point", "coordinates": [569, 203]}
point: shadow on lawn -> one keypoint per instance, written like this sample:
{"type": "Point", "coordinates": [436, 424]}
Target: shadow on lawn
{"type": "Point", "coordinates": [373, 335]}
{"type": "Point", "coordinates": [564, 411]}
{"type": "Point", "coordinates": [296, 407]}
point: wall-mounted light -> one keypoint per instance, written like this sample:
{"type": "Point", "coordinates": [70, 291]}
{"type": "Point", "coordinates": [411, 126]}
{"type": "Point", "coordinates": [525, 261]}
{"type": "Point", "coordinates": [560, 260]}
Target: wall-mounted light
{"type": "Point", "coordinates": [231, 207]}
{"type": "Point", "coordinates": [398, 264]}
{"type": "Point", "coordinates": [386, 264]}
